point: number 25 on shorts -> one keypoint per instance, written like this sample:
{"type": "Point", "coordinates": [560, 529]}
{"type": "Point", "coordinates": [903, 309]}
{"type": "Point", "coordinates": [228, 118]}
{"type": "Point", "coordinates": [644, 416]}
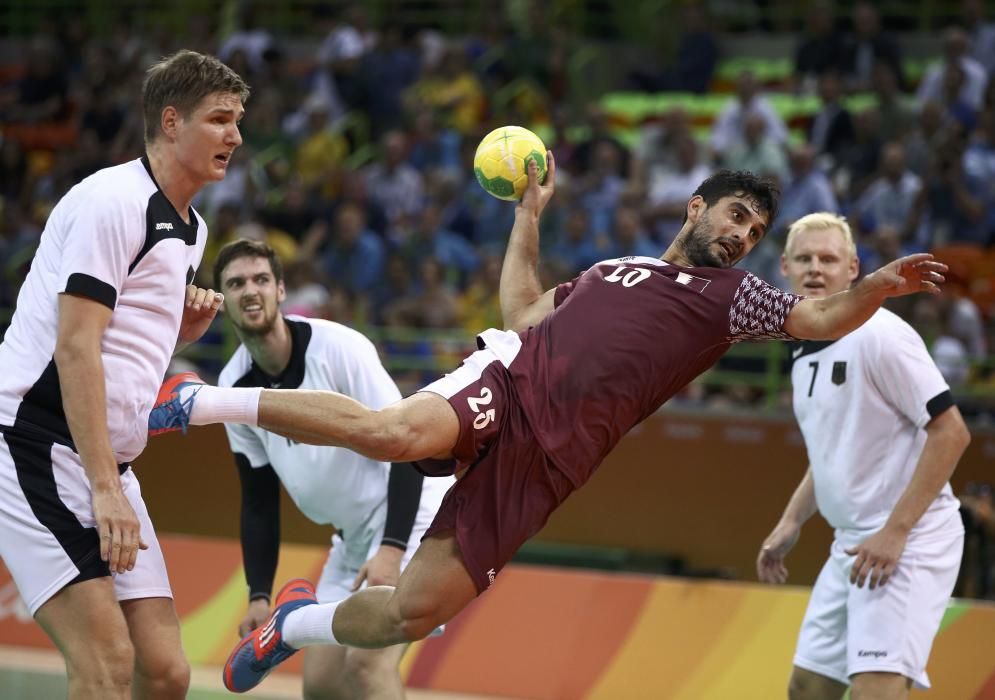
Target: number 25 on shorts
{"type": "Point", "coordinates": [483, 418]}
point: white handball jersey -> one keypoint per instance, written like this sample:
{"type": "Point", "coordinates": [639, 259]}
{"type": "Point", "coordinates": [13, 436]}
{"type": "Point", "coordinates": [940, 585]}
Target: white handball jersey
{"type": "Point", "coordinates": [116, 239]}
{"type": "Point", "coordinates": [330, 485]}
{"type": "Point", "coordinates": [862, 403]}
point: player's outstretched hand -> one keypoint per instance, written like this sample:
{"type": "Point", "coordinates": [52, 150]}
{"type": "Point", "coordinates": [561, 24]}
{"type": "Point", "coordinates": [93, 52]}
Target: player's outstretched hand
{"type": "Point", "coordinates": [877, 557]}
{"type": "Point", "coordinates": [256, 615]}
{"type": "Point", "coordinates": [537, 196]}
{"type": "Point", "coordinates": [199, 310]}
{"type": "Point", "coordinates": [118, 529]}
{"type": "Point", "coordinates": [770, 561]}
{"type": "Point", "coordinates": [908, 275]}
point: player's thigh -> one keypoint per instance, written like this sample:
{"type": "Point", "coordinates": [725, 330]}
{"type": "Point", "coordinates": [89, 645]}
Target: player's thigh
{"type": "Point", "coordinates": [809, 685]}
{"type": "Point", "coordinates": [435, 585]}
{"type": "Point", "coordinates": [470, 403]}
{"type": "Point", "coordinates": [892, 628]}
{"type": "Point", "coordinates": [879, 686]}
{"type": "Point", "coordinates": [148, 578]}
{"type": "Point", "coordinates": [822, 639]}
{"type": "Point", "coordinates": [154, 628]}
{"type": "Point", "coordinates": [47, 538]}
{"type": "Point", "coordinates": [85, 622]}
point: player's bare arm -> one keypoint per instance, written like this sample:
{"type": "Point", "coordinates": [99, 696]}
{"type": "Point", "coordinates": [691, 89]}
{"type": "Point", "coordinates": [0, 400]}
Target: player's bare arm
{"type": "Point", "coordinates": [523, 302]}
{"type": "Point", "coordinates": [834, 316]}
{"type": "Point", "coordinates": [82, 322]}
{"type": "Point", "coordinates": [784, 536]}
{"type": "Point", "coordinates": [946, 439]}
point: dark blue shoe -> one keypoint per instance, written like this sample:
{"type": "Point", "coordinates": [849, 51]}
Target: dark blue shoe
{"type": "Point", "coordinates": [169, 413]}
{"type": "Point", "coordinates": [263, 649]}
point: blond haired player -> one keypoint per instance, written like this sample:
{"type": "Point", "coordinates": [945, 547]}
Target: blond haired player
{"type": "Point", "coordinates": [97, 320]}
{"type": "Point", "coordinates": [883, 436]}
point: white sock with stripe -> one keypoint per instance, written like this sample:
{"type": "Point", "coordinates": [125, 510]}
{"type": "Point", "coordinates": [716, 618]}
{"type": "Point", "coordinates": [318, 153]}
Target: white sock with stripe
{"type": "Point", "coordinates": [309, 625]}
{"type": "Point", "coordinates": [215, 404]}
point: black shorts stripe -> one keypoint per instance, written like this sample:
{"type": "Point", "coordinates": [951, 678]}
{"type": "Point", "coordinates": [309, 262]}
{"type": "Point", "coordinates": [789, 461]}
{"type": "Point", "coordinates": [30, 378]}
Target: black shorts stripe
{"type": "Point", "coordinates": [35, 473]}
{"type": "Point", "coordinates": [939, 403]}
{"type": "Point", "coordinates": [84, 285]}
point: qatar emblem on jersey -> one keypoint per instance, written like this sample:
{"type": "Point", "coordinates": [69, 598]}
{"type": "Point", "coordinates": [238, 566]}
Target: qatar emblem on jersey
{"type": "Point", "coordinates": [698, 284]}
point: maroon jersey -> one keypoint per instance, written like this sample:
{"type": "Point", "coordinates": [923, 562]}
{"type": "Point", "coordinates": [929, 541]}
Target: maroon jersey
{"type": "Point", "coordinates": [623, 338]}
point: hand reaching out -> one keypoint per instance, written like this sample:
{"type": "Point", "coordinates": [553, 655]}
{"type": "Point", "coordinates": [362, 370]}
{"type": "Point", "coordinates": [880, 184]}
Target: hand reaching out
{"type": "Point", "coordinates": [200, 308]}
{"type": "Point", "coordinates": [908, 275]}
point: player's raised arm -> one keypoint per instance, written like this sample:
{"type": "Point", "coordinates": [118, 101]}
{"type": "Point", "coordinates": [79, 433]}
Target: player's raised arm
{"type": "Point", "coordinates": [838, 314]}
{"type": "Point", "coordinates": [523, 302]}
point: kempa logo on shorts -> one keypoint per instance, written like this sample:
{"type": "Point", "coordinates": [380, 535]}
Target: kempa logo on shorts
{"type": "Point", "coordinates": [875, 654]}
{"type": "Point", "coordinates": [491, 575]}
{"type": "Point", "coordinates": [266, 636]}
{"type": "Point", "coordinates": [164, 226]}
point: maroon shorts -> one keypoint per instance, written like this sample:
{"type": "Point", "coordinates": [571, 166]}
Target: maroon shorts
{"type": "Point", "coordinates": [510, 486]}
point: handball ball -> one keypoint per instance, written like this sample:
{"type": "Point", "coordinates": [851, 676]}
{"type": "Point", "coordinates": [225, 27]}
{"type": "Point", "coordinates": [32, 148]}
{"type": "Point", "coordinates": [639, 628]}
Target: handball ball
{"type": "Point", "coordinates": [502, 158]}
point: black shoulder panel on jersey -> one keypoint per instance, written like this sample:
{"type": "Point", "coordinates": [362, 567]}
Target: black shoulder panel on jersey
{"type": "Point", "coordinates": [939, 403]}
{"type": "Point", "coordinates": [41, 412]}
{"type": "Point", "coordinates": [293, 376]}
{"type": "Point", "coordinates": [84, 285]}
{"type": "Point", "coordinates": [162, 223]}
{"type": "Point", "coordinates": [801, 348]}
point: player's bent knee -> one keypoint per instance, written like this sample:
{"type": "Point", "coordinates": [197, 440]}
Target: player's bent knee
{"type": "Point", "coordinates": [365, 668]}
{"type": "Point", "coordinates": [168, 678]}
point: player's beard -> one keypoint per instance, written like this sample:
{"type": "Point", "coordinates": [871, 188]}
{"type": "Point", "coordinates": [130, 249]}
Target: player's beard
{"type": "Point", "coordinates": [263, 328]}
{"type": "Point", "coordinates": [697, 246]}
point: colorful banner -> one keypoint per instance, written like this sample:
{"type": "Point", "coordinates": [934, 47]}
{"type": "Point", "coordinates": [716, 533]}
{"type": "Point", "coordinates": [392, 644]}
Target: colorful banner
{"type": "Point", "coordinates": [552, 634]}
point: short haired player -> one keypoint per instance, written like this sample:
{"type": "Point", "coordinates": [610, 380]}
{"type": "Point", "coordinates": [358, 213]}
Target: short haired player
{"type": "Point", "coordinates": [883, 437]}
{"type": "Point", "coordinates": [529, 417]}
{"type": "Point", "coordinates": [380, 511]}
{"type": "Point", "coordinates": [98, 317]}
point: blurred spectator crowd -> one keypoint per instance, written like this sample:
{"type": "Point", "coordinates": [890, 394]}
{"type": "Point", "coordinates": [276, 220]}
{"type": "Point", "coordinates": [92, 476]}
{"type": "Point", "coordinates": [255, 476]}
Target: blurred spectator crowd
{"type": "Point", "coordinates": [359, 139]}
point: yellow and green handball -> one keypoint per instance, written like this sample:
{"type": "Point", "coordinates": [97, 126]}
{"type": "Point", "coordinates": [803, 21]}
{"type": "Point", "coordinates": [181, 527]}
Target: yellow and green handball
{"type": "Point", "coordinates": [502, 158]}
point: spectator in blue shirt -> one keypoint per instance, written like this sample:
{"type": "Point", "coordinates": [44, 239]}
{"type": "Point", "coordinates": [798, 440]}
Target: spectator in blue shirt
{"type": "Point", "coordinates": [354, 257]}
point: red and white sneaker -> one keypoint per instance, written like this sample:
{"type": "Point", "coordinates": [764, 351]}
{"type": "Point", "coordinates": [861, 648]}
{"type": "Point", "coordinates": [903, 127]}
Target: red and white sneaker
{"type": "Point", "coordinates": [170, 413]}
{"type": "Point", "coordinates": [263, 649]}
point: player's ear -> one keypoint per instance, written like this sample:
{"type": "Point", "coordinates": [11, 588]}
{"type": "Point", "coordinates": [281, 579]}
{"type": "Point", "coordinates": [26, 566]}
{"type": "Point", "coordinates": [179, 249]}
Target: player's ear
{"type": "Point", "coordinates": [854, 270]}
{"type": "Point", "coordinates": [281, 292]}
{"type": "Point", "coordinates": [169, 121]}
{"type": "Point", "coordinates": [696, 205]}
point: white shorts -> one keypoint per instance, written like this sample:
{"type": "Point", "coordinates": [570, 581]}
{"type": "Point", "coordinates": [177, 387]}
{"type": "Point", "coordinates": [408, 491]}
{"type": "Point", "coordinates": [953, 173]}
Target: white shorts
{"type": "Point", "coordinates": [849, 630]}
{"type": "Point", "coordinates": [347, 556]}
{"type": "Point", "coordinates": [47, 535]}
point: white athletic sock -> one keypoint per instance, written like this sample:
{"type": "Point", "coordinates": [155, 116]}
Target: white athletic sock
{"type": "Point", "coordinates": [309, 625]}
{"type": "Point", "coordinates": [216, 404]}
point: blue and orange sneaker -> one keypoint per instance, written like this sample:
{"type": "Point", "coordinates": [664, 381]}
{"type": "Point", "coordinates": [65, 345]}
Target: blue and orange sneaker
{"type": "Point", "coordinates": [169, 413]}
{"type": "Point", "coordinates": [263, 649]}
